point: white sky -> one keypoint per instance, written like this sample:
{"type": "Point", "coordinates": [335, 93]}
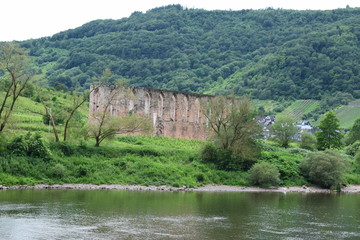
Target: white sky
{"type": "Point", "coordinates": [25, 19]}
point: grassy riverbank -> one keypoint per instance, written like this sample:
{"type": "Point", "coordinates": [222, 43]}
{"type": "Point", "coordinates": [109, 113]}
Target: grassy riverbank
{"type": "Point", "coordinates": [124, 160]}
{"type": "Point", "coordinates": [140, 160]}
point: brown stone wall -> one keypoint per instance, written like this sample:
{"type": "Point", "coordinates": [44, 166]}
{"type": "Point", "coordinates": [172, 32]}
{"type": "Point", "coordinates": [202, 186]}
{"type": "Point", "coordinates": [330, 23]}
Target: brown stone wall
{"type": "Point", "coordinates": [174, 114]}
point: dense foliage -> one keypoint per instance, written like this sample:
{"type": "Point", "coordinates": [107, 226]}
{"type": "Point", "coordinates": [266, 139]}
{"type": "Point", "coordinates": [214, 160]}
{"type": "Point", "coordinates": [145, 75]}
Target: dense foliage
{"type": "Point", "coordinates": [354, 134]}
{"type": "Point", "coordinates": [266, 54]}
{"type": "Point", "coordinates": [28, 159]}
{"type": "Point", "coordinates": [329, 136]}
{"type": "Point", "coordinates": [234, 130]}
{"type": "Point", "coordinates": [264, 174]}
{"type": "Point", "coordinates": [325, 169]}
{"type": "Point", "coordinates": [283, 130]}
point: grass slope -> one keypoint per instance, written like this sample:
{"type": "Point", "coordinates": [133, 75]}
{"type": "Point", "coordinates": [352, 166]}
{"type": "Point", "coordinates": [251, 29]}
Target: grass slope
{"type": "Point", "coordinates": [25, 116]}
{"type": "Point", "coordinates": [348, 114]}
{"type": "Point", "coordinates": [300, 107]}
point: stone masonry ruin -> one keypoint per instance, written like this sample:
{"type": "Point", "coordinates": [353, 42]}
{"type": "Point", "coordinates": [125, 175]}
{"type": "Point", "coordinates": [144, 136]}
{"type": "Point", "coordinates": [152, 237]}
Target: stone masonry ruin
{"type": "Point", "coordinates": [173, 114]}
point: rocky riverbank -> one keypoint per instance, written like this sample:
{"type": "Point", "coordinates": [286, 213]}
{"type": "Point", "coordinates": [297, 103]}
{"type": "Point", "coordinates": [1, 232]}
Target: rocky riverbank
{"type": "Point", "coordinates": [206, 188]}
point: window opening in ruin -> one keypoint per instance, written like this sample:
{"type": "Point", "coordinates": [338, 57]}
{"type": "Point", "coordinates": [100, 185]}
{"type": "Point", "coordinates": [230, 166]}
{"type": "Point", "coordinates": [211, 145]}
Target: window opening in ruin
{"type": "Point", "coordinates": [173, 108]}
{"type": "Point", "coordinates": [197, 111]}
{"type": "Point", "coordinates": [160, 105]}
{"type": "Point", "coordinates": [147, 103]}
{"type": "Point", "coordinates": [185, 109]}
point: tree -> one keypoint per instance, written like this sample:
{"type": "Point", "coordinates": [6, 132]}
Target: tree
{"type": "Point", "coordinates": [103, 125]}
{"type": "Point", "coordinates": [283, 129]}
{"type": "Point", "coordinates": [15, 64]}
{"type": "Point", "coordinates": [330, 135]}
{"type": "Point", "coordinates": [354, 134]}
{"type": "Point", "coordinates": [234, 127]}
{"type": "Point", "coordinates": [53, 114]}
{"type": "Point", "coordinates": [308, 141]}
{"type": "Point", "coordinates": [325, 168]}
{"type": "Point", "coordinates": [57, 113]}
{"type": "Point", "coordinates": [78, 99]}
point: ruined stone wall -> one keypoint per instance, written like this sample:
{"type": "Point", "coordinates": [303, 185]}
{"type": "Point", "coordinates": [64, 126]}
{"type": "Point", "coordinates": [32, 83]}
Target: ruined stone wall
{"type": "Point", "coordinates": [173, 114]}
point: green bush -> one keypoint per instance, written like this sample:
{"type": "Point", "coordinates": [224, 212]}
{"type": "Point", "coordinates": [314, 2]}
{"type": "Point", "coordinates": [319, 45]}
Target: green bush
{"type": "Point", "coordinates": [38, 147]}
{"type": "Point", "coordinates": [325, 168]}
{"type": "Point", "coordinates": [225, 159]}
{"type": "Point", "coordinates": [300, 151]}
{"type": "Point", "coordinates": [287, 164]}
{"type": "Point", "coordinates": [353, 148]}
{"type": "Point", "coordinates": [63, 148]}
{"type": "Point", "coordinates": [308, 141]}
{"type": "Point", "coordinates": [19, 145]}
{"type": "Point", "coordinates": [58, 171]}
{"type": "Point", "coordinates": [82, 171]}
{"type": "Point", "coordinates": [264, 174]}
{"type": "Point", "coordinates": [208, 152]}
{"type": "Point", "coordinates": [32, 145]}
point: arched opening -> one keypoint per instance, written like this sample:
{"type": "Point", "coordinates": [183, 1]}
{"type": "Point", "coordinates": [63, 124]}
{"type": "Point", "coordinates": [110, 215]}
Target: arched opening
{"type": "Point", "coordinates": [173, 108]}
{"type": "Point", "coordinates": [185, 108]}
{"type": "Point", "coordinates": [160, 106]}
{"type": "Point", "coordinates": [197, 111]}
{"type": "Point", "coordinates": [147, 103]}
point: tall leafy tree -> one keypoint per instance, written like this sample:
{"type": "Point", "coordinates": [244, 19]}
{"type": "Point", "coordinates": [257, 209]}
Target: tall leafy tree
{"type": "Point", "coordinates": [15, 66]}
{"type": "Point", "coordinates": [283, 129]}
{"type": "Point", "coordinates": [330, 136]}
{"type": "Point", "coordinates": [234, 127]}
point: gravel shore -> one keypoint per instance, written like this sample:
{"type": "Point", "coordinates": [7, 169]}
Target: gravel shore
{"type": "Point", "coordinates": [206, 188]}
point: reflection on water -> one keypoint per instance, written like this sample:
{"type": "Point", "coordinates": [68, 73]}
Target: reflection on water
{"type": "Point", "coordinates": [72, 214]}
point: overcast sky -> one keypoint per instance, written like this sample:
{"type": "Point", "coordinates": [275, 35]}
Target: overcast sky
{"type": "Point", "coordinates": [25, 19]}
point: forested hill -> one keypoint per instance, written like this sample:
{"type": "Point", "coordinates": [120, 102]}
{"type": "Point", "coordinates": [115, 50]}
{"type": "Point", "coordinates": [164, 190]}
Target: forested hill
{"type": "Point", "coordinates": [266, 54]}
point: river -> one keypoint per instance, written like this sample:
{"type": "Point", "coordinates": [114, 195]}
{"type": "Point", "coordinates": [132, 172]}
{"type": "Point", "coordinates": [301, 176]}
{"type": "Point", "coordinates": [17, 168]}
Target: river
{"type": "Point", "coordinates": [102, 214]}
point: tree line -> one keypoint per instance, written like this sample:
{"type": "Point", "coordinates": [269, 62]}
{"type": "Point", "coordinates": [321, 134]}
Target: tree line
{"type": "Point", "coordinates": [265, 54]}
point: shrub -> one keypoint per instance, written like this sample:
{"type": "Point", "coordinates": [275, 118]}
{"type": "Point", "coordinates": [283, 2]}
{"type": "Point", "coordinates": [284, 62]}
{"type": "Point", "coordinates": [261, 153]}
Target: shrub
{"type": "Point", "coordinates": [19, 145]}
{"type": "Point", "coordinates": [38, 147]}
{"type": "Point", "coordinates": [287, 164]}
{"type": "Point", "coordinates": [299, 151]}
{"type": "Point", "coordinates": [130, 139]}
{"type": "Point", "coordinates": [82, 171]}
{"type": "Point", "coordinates": [32, 145]}
{"type": "Point", "coordinates": [65, 148]}
{"type": "Point", "coordinates": [353, 148]}
{"type": "Point", "coordinates": [264, 174]}
{"type": "Point", "coordinates": [325, 168]}
{"type": "Point", "coordinates": [209, 152]}
{"type": "Point", "coordinates": [58, 171]}
{"type": "Point", "coordinates": [308, 141]}
{"type": "Point", "coordinates": [225, 159]}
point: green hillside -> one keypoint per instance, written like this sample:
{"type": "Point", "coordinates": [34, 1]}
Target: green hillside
{"type": "Point", "coordinates": [348, 114]}
{"type": "Point", "coordinates": [26, 115]}
{"type": "Point", "coordinates": [299, 108]}
{"type": "Point", "coordinates": [265, 54]}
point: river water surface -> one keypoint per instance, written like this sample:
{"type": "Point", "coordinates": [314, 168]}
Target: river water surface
{"type": "Point", "coordinates": [95, 214]}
